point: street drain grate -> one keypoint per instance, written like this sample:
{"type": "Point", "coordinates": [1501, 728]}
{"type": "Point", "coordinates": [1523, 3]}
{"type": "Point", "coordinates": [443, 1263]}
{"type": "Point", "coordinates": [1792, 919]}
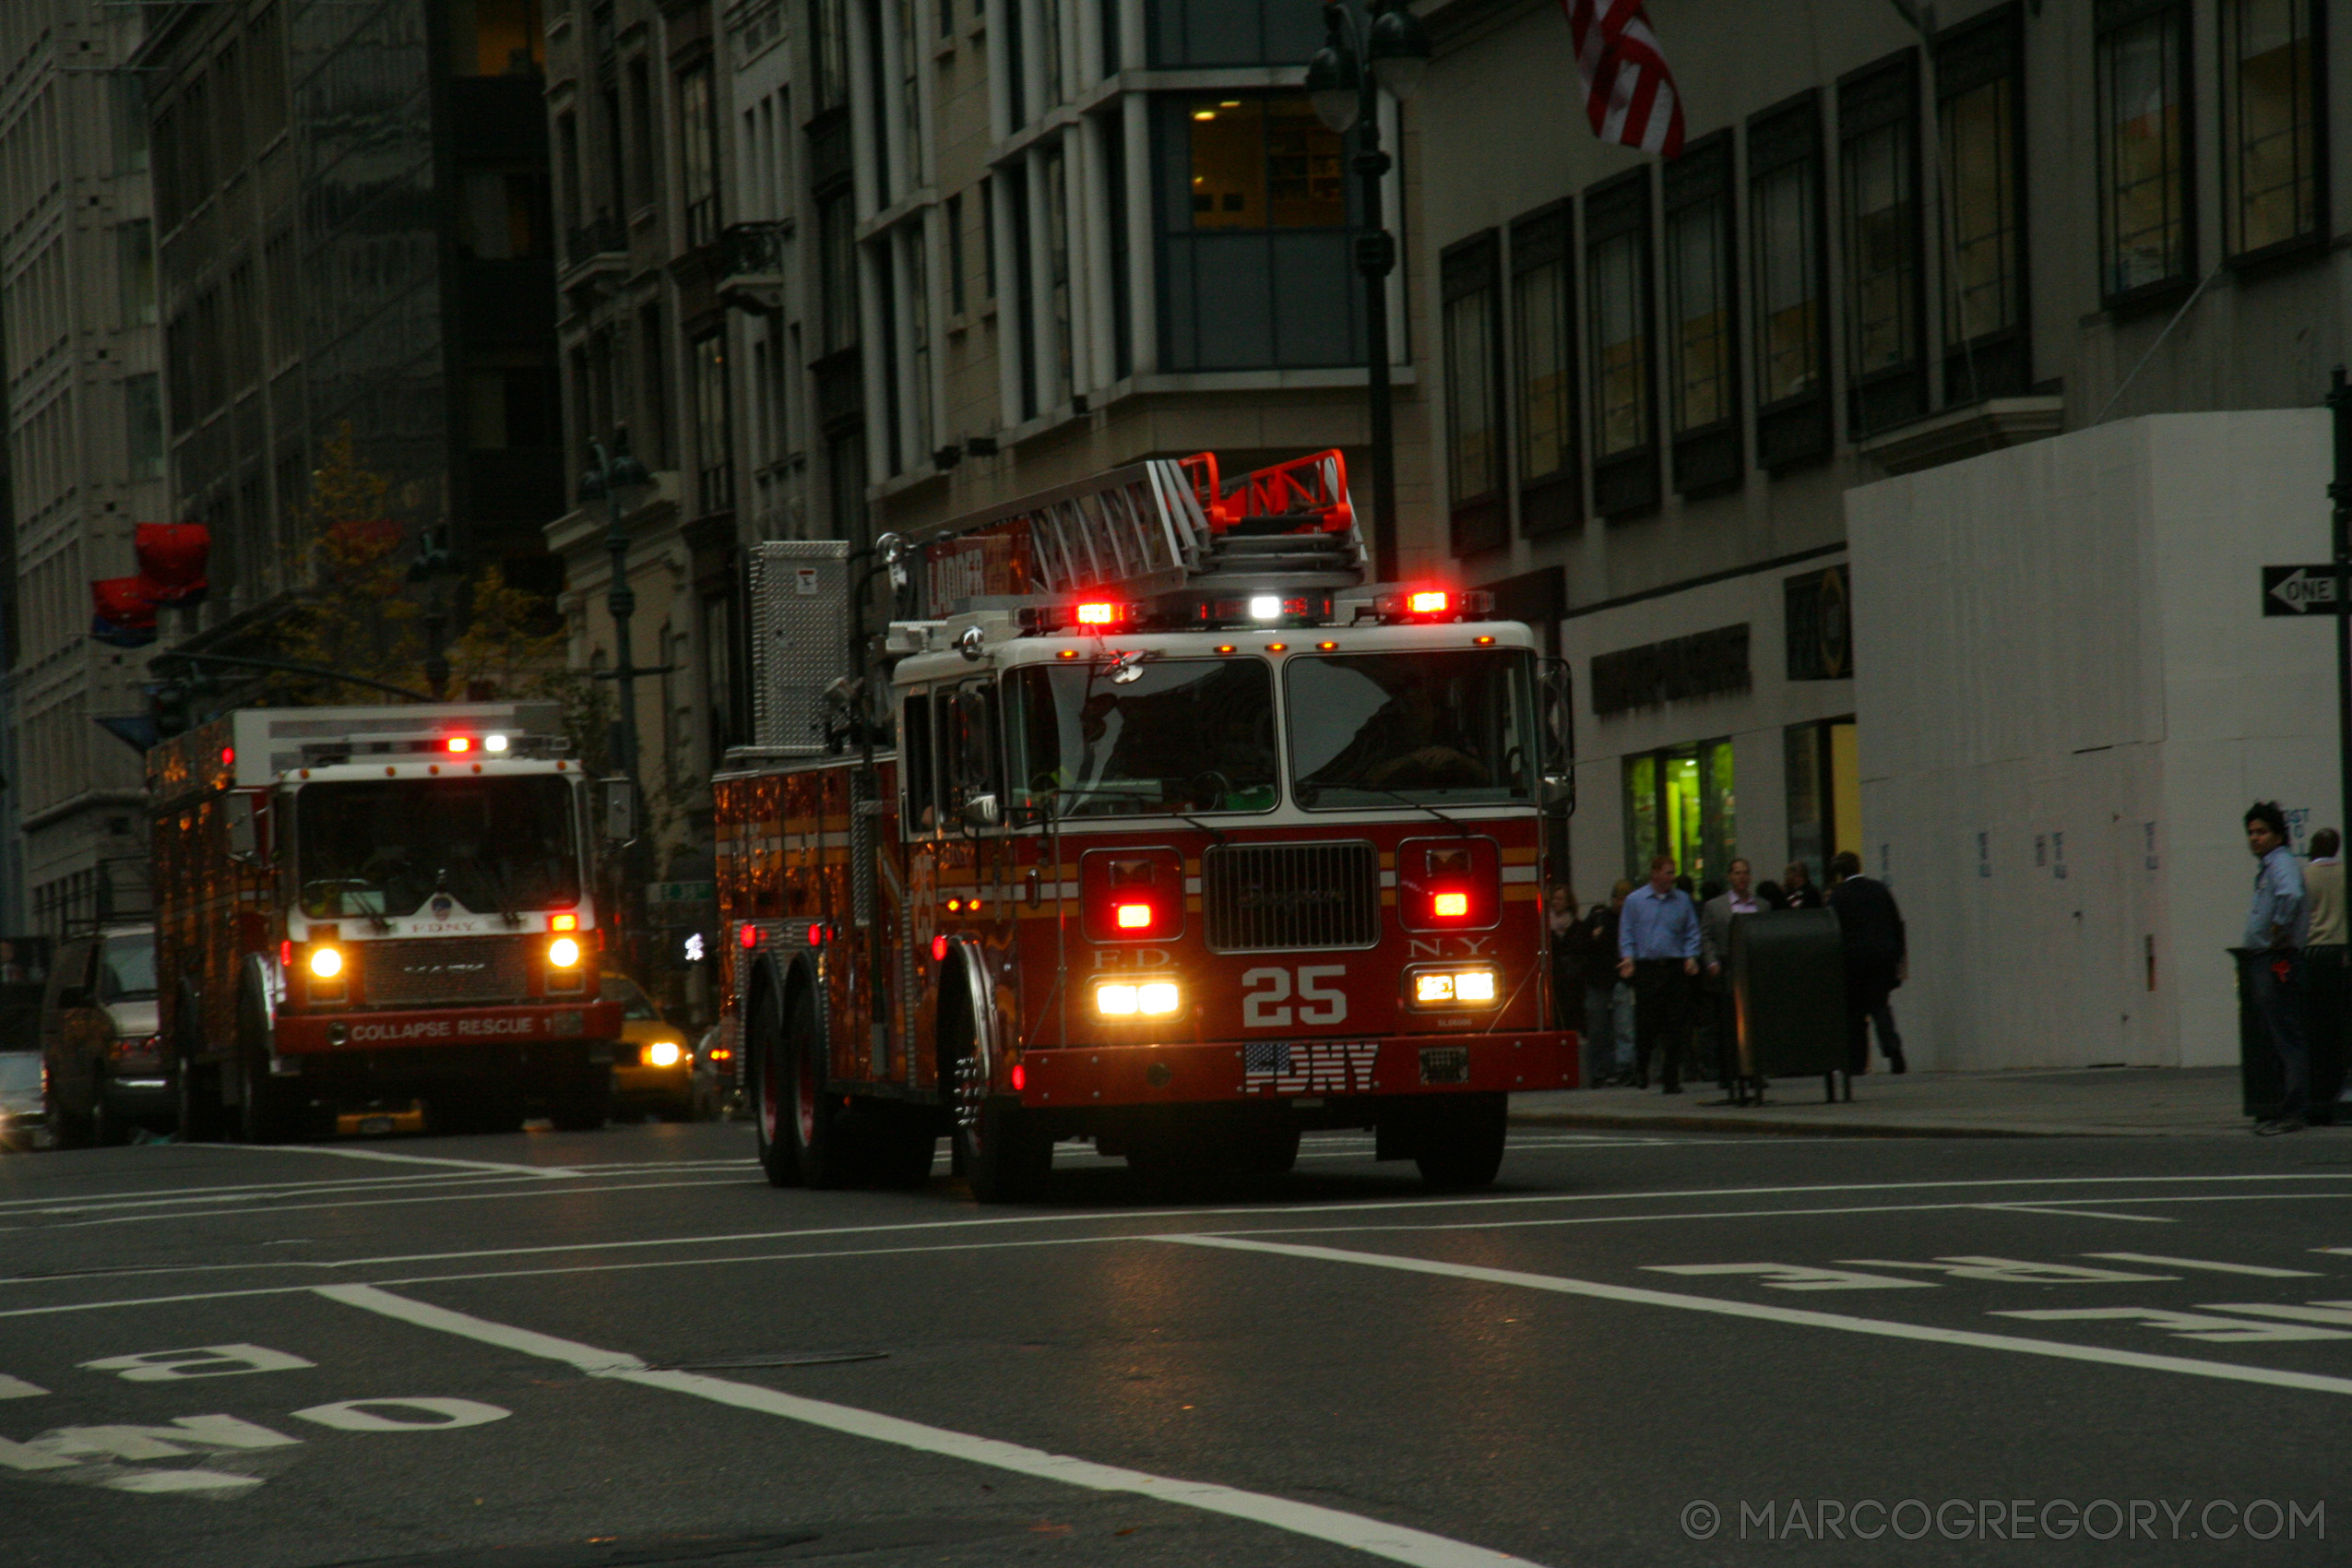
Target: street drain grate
{"type": "Point", "coordinates": [771, 1359]}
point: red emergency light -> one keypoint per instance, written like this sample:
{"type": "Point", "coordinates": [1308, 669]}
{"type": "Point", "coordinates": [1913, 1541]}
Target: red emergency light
{"type": "Point", "coordinates": [748, 936]}
{"type": "Point", "coordinates": [460, 743]}
{"type": "Point", "coordinates": [1133, 916]}
{"type": "Point", "coordinates": [1430, 603]}
{"type": "Point", "coordinates": [1101, 613]}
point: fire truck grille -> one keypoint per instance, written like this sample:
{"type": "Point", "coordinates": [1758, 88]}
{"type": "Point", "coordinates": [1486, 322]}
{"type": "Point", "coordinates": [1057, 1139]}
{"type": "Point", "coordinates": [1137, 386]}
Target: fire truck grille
{"type": "Point", "coordinates": [457, 969]}
{"type": "Point", "coordinates": [1265, 898]}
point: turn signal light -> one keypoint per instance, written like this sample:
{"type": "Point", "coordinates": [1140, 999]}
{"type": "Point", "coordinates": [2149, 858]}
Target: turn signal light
{"type": "Point", "coordinates": [1450, 905]}
{"type": "Point", "coordinates": [564, 922]}
{"type": "Point", "coordinates": [564, 952]}
{"type": "Point", "coordinates": [1135, 917]}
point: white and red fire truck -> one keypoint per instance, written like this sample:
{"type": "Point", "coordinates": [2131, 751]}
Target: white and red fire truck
{"type": "Point", "coordinates": [1158, 826]}
{"type": "Point", "coordinates": [376, 916]}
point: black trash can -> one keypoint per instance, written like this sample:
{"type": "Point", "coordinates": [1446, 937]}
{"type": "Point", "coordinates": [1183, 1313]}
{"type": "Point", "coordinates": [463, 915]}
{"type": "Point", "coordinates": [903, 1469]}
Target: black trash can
{"type": "Point", "coordinates": [2321, 982]}
{"type": "Point", "coordinates": [1788, 993]}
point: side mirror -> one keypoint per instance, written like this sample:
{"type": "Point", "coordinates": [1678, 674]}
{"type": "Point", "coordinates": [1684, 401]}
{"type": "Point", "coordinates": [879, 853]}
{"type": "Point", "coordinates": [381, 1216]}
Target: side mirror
{"type": "Point", "coordinates": [1557, 793]}
{"type": "Point", "coordinates": [245, 828]}
{"type": "Point", "coordinates": [620, 810]}
{"type": "Point", "coordinates": [981, 811]}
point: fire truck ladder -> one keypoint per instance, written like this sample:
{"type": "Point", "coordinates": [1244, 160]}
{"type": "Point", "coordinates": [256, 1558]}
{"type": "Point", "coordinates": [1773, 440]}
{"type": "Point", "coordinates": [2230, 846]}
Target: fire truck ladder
{"type": "Point", "coordinates": [1169, 523]}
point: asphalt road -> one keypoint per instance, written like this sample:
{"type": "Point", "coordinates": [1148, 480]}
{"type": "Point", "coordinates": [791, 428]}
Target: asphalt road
{"type": "Point", "coordinates": [550, 1350]}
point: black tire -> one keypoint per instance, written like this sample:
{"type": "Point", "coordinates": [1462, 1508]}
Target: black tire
{"type": "Point", "coordinates": [820, 1130]}
{"type": "Point", "coordinates": [1008, 1157]}
{"type": "Point", "coordinates": [768, 1071]}
{"type": "Point", "coordinates": [1461, 1142]}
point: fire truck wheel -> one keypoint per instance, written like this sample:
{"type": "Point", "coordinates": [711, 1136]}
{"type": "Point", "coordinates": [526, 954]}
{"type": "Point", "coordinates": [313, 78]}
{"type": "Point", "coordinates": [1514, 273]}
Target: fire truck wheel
{"type": "Point", "coordinates": [583, 1106]}
{"type": "Point", "coordinates": [823, 1134]}
{"type": "Point", "coordinates": [1461, 1143]}
{"type": "Point", "coordinates": [764, 1049]}
{"type": "Point", "coordinates": [1268, 1151]}
{"type": "Point", "coordinates": [1008, 1157]}
{"type": "Point", "coordinates": [201, 1121]}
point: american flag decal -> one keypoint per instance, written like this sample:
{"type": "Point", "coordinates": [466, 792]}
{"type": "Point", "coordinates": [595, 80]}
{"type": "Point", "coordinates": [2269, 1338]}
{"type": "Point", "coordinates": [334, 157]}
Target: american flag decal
{"type": "Point", "coordinates": [1316, 1066]}
{"type": "Point", "coordinates": [1629, 93]}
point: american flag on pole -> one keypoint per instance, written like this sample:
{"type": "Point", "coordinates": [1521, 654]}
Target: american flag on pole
{"type": "Point", "coordinates": [1629, 93]}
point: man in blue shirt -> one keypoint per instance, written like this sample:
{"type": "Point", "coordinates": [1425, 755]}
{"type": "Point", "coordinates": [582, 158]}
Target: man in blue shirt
{"type": "Point", "coordinates": [2270, 961]}
{"type": "Point", "coordinates": [1657, 949]}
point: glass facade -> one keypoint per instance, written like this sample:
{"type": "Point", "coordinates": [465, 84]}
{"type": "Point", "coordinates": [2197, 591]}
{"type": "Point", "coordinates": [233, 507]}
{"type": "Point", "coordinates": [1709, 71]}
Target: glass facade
{"type": "Point", "coordinates": [2143, 154]}
{"type": "Point", "coordinates": [2270, 121]}
{"type": "Point", "coordinates": [1681, 801]}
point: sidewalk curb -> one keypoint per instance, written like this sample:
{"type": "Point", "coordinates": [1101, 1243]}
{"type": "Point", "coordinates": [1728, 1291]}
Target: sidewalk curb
{"type": "Point", "coordinates": [1701, 1122]}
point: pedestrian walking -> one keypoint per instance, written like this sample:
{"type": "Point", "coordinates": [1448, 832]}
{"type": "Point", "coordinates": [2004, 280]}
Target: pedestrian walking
{"type": "Point", "coordinates": [2323, 890]}
{"type": "Point", "coordinates": [1658, 948]}
{"type": "Point", "coordinates": [2270, 957]}
{"type": "Point", "coordinates": [1715, 955]}
{"type": "Point", "coordinates": [1877, 958]}
{"type": "Point", "coordinates": [1607, 999]}
{"type": "Point", "coordinates": [1797, 889]}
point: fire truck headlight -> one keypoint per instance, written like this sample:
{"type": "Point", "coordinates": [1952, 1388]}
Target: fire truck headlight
{"type": "Point", "coordinates": [565, 953]}
{"type": "Point", "coordinates": [1115, 1001]}
{"type": "Point", "coordinates": [494, 743]}
{"type": "Point", "coordinates": [1157, 999]}
{"type": "Point", "coordinates": [1469, 987]}
{"type": "Point", "coordinates": [663, 1053]}
{"type": "Point", "coordinates": [326, 962]}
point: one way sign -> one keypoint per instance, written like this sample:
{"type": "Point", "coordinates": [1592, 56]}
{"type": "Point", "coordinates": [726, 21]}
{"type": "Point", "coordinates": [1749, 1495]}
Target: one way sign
{"type": "Point", "coordinates": [2299, 590]}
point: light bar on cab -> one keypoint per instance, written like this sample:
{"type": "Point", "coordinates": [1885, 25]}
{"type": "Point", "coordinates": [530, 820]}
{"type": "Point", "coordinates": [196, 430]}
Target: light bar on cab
{"type": "Point", "coordinates": [1433, 604]}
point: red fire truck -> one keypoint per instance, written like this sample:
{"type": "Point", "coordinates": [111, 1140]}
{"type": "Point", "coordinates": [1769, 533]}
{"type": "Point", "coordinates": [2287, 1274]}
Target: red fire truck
{"type": "Point", "coordinates": [371, 916]}
{"type": "Point", "coordinates": [1157, 825]}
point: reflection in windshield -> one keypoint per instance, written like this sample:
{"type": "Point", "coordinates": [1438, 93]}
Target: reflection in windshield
{"type": "Point", "coordinates": [126, 972]}
{"type": "Point", "coordinates": [1443, 728]}
{"type": "Point", "coordinates": [490, 844]}
{"type": "Point", "coordinates": [1185, 735]}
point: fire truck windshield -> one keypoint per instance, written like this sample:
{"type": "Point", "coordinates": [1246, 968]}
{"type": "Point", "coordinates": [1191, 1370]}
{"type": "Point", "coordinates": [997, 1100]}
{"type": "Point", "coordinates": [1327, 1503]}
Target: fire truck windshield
{"type": "Point", "coordinates": [1446, 728]}
{"type": "Point", "coordinates": [1179, 735]}
{"type": "Point", "coordinates": [382, 849]}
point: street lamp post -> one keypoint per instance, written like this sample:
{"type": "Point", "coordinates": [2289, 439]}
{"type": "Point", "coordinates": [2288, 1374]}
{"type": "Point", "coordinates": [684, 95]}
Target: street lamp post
{"type": "Point", "coordinates": [1344, 81]}
{"type": "Point", "coordinates": [434, 565]}
{"type": "Point", "coordinates": [617, 476]}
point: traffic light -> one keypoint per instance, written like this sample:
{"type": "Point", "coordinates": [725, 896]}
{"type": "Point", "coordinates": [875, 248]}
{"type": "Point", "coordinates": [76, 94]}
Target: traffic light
{"type": "Point", "coordinates": [171, 700]}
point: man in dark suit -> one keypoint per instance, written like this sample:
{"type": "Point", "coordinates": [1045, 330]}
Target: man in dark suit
{"type": "Point", "coordinates": [1877, 957]}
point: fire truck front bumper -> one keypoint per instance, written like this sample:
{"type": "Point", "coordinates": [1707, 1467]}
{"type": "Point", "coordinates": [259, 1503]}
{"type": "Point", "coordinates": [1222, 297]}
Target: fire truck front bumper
{"type": "Point", "coordinates": [593, 1024]}
{"type": "Point", "coordinates": [1079, 1077]}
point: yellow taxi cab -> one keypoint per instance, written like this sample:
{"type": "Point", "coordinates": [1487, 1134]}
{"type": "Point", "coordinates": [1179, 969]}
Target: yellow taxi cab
{"type": "Point", "coordinates": [653, 1067]}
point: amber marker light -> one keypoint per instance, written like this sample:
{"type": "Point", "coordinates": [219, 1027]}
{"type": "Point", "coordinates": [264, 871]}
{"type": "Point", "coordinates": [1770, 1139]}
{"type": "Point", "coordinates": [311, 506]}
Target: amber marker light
{"type": "Point", "coordinates": [1225, 647]}
{"type": "Point", "coordinates": [1278, 648]}
{"type": "Point", "coordinates": [1067, 653]}
{"type": "Point", "coordinates": [1483, 642]}
{"type": "Point", "coordinates": [1325, 647]}
{"type": "Point", "coordinates": [564, 922]}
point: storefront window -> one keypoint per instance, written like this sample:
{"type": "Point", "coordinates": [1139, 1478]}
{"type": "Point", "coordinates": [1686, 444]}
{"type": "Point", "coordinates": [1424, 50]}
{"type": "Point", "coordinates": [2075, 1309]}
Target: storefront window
{"type": "Point", "coordinates": [1681, 802]}
{"type": "Point", "coordinates": [1825, 793]}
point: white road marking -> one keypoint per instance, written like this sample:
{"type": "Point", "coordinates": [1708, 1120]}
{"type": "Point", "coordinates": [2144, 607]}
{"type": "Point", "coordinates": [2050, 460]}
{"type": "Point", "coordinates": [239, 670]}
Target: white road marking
{"type": "Point", "coordinates": [17, 1388]}
{"type": "Point", "coordinates": [420, 1198]}
{"type": "Point", "coordinates": [1797, 1276]}
{"type": "Point", "coordinates": [2206, 1264]}
{"type": "Point", "coordinates": [1774, 1313]}
{"type": "Point", "coordinates": [340, 1152]}
{"type": "Point", "coordinates": [2017, 1271]}
{"type": "Point", "coordinates": [2336, 1313]}
{"type": "Point", "coordinates": [1374, 1537]}
{"type": "Point", "coordinates": [199, 1361]}
{"type": "Point", "coordinates": [2077, 1213]}
{"type": "Point", "coordinates": [2185, 1326]}
{"type": "Point", "coordinates": [366, 1415]}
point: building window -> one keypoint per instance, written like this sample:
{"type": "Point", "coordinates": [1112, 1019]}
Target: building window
{"type": "Point", "coordinates": [1473, 405]}
{"type": "Point", "coordinates": [1679, 802]}
{"type": "Point", "coordinates": [654, 447]}
{"type": "Point", "coordinates": [2144, 149]}
{"type": "Point", "coordinates": [143, 425]}
{"type": "Point", "coordinates": [567, 166]}
{"type": "Point", "coordinates": [1703, 378]}
{"type": "Point", "coordinates": [495, 38]}
{"type": "Point", "coordinates": [135, 268]}
{"type": "Point", "coordinates": [1786, 266]}
{"type": "Point", "coordinates": [2270, 106]}
{"type": "Point", "coordinates": [1617, 307]}
{"type": "Point", "coordinates": [837, 262]}
{"type": "Point", "coordinates": [955, 219]}
{"type": "Point", "coordinates": [698, 155]}
{"type": "Point", "coordinates": [1877, 115]}
{"type": "Point", "coordinates": [713, 455]}
{"type": "Point", "coordinates": [1979, 77]}
{"type": "Point", "coordinates": [1825, 793]}
{"type": "Point", "coordinates": [1232, 33]}
{"type": "Point", "coordinates": [829, 51]}
{"type": "Point", "coordinates": [641, 147]}
{"type": "Point", "coordinates": [988, 241]}
{"type": "Point", "coordinates": [1543, 316]}
{"type": "Point", "coordinates": [1258, 271]}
